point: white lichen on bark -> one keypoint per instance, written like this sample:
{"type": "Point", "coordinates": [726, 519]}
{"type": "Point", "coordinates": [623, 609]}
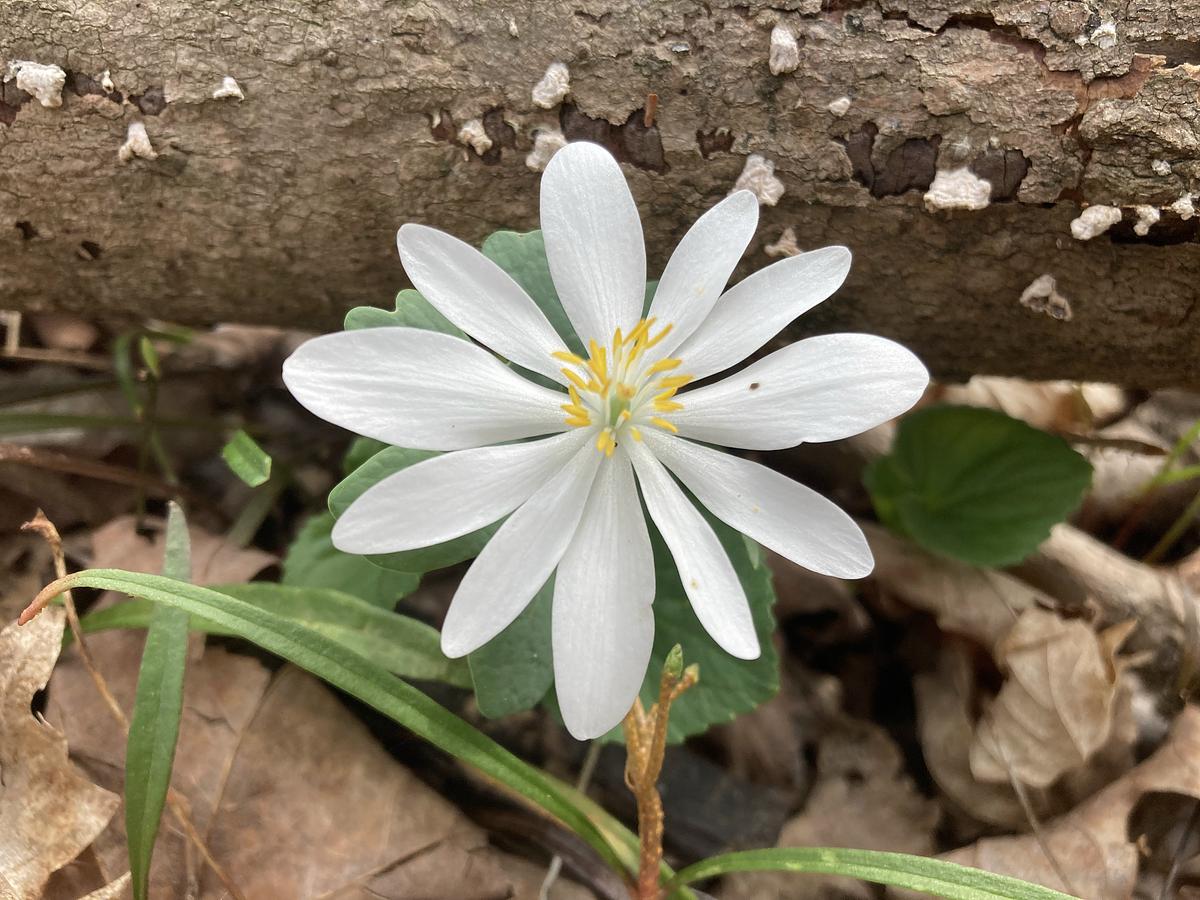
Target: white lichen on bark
{"type": "Point", "coordinates": [786, 245]}
{"type": "Point", "coordinates": [1093, 221]}
{"type": "Point", "coordinates": [474, 135]}
{"type": "Point", "coordinates": [784, 55]}
{"type": "Point", "coordinates": [1147, 216]}
{"type": "Point", "coordinates": [758, 177]}
{"type": "Point", "coordinates": [229, 89]}
{"type": "Point", "coordinates": [137, 143]}
{"type": "Point", "coordinates": [1043, 296]}
{"type": "Point", "coordinates": [546, 142]}
{"type": "Point", "coordinates": [554, 86]}
{"type": "Point", "coordinates": [44, 82]}
{"type": "Point", "coordinates": [958, 189]}
{"type": "Point", "coordinates": [840, 106]}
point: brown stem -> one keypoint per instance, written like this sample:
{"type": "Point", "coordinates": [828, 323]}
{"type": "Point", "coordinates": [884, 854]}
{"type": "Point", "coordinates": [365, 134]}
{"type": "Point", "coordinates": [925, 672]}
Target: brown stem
{"type": "Point", "coordinates": [177, 804]}
{"type": "Point", "coordinates": [646, 745]}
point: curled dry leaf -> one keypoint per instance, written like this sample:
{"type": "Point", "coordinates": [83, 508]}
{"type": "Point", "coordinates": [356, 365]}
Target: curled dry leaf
{"type": "Point", "coordinates": [982, 604]}
{"type": "Point", "coordinates": [1062, 406]}
{"type": "Point", "coordinates": [292, 794]}
{"type": "Point", "coordinates": [117, 544]}
{"type": "Point", "coordinates": [1091, 845]}
{"type": "Point", "coordinates": [1056, 707]}
{"type": "Point", "coordinates": [862, 798]}
{"type": "Point", "coordinates": [49, 811]}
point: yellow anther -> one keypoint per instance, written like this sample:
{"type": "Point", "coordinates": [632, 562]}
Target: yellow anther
{"type": "Point", "coordinates": [639, 332]}
{"type": "Point", "coordinates": [575, 379]}
{"type": "Point", "coordinates": [663, 423]}
{"type": "Point", "coordinates": [625, 392]}
{"type": "Point", "coordinates": [595, 387]}
{"type": "Point", "coordinates": [568, 357]}
{"type": "Point", "coordinates": [612, 445]}
{"type": "Point", "coordinates": [675, 381]}
{"type": "Point", "coordinates": [658, 337]}
{"type": "Point", "coordinates": [635, 434]}
{"type": "Point", "coordinates": [667, 406]}
{"type": "Point", "coordinates": [664, 365]}
{"type": "Point", "coordinates": [666, 395]}
{"type": "Point", "coordinates": [625, 415]}
{"type": "Point", "coordinates": [578, 421]}
{"type": "Point", "coordinates": [574, 395]}
{"type": "Point", "coordinates": [603, 438]}
{"type": "Point", "coordinates": [617, 339]}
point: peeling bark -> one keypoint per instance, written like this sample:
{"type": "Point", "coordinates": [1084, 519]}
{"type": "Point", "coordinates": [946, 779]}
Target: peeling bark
{"type": "Point", "coordinates": [282, 207]}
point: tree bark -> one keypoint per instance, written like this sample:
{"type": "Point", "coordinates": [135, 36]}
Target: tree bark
{"type": "Point", "coordinates": [282, 206]}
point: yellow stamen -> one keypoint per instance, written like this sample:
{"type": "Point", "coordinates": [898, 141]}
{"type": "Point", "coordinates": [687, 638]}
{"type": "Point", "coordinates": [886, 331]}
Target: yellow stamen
{"type": "Point", "coordinates": [639, 332]}
{"type": "Point", "coordinates": [666, 395]}
{"type": "Point", "coordinates": [602, 439]}
{"type": "Point", "coordinates": [574, 395]}
{"type": "Point", "coordinates": [667, 406]}
{"type": "Point", "coordinates": [663, 423]}
{"type": "Point", "coordinates": [635, 434]}
{"type": "Point", "coordinates": [664, 365]}
{"type": "Point", "coordinates": [617, 339]}
{"type": "Point", "coordinates": [675, 381]}
{"type": "Point", "coordinates": [625, 392]}
{"type": "Point", "coordinates": [580, 421]}
{"type": "Point", "coordinates": [612, 445]}
{"type": "Point", "coordinates": [569, 357]}
{"type": "Point", "coordinates": [624, 416]}
{"type": "Point", "coordinates": [575, 379]}
{"type": "Point", "coordinates": [662, 334]}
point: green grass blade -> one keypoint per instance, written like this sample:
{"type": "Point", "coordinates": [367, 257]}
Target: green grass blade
{"type": "Point", "coordinates": [916, 873]}
{"type": "Point", "coordinates": [401, 644]}
{"type": "Point", "coordinates": [359, 678]}
{"type": "Point", "coordinates": [248, 461]}
{"type": "Point", "coordinates": [154, 727]}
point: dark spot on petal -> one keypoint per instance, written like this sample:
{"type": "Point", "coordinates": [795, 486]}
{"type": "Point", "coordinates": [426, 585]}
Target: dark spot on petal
{"type": "Point", "coordinates": [754, 385]}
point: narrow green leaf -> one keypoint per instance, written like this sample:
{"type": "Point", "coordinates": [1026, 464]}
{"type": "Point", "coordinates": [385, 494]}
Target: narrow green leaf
{"type": "Point", "coordinates": [157, 708]}
{"type": "Point", "coordinates": [916, 873]}
{"type": "Point", "coordinates": [312, 561]}
{"type": "Point", "coordinates": [387, 462]}
{"type": "Point", "coordinates": [361, 679]}
{"type": "Point", "coordinates": [976, 485]}
{"type": "Point", "coordinates": [150, 355]}
{"type": "Point", "coordinates": [514, 670]}
{"type": "Point", "coordinates": [401, 644]}
{"type": "Point", "coordinates": [248, 461]}
{"type": "Point", "coordinates": [412, 311]}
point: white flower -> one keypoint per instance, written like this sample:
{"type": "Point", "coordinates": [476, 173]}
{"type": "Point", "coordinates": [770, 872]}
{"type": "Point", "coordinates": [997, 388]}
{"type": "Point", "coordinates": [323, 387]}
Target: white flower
{"type": "Point", "coordinates": [623, 418]}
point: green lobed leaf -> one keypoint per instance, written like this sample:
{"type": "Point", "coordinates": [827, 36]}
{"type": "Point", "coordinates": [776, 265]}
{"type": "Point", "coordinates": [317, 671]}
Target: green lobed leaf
{"type": "Point", "coordinates": [157, 708]}
{"type": "Point", "coordinates": [362, 679]}
{"type": "Point", "coordinates": [513, 671]}
{"type": "Point", "coordinates": [401, 644]}
{"type": "Point", "coordinates": [312, 561]}
{"type": "Point", "coordinates": [412, 311]}
{"type": "Point", "coordinates": [387, 462]}
{"type": "Point", "coordinates": [916, 873]}
{"type": "Point", "coordinates": [523, 256]}
{"type": "Point", "coordinates": [728, 686]}
{"type": "Point", "coordinates": [249, 462]}
{"type": "Point", "coordinates": [976, 485]}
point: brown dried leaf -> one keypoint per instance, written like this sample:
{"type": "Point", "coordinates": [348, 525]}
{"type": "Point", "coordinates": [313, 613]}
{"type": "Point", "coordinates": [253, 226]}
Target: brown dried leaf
{"type": "Point", "coordinates": [1056, 707]}
{"type": "Point", "coordinates": [49, 812]}
{"type": "Point", "coordinates": [292, 794]}
{"type": "Point", "coordinates": [982, 604]}
{"type": "Point", "coordinates": [1091, 845]}
{"type": "Point", "coordinates": [946, 729]}
{"type": "Point", "coordinates": [117, 544]}
{"type": "Point", "coordinates": [1051, 405]}
{"type": "Point", "coordinates": [862, 798]}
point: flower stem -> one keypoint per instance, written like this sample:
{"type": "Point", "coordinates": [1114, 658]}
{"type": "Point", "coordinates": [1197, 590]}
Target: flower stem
{"type": "Point", "coordinates": [646, 744]}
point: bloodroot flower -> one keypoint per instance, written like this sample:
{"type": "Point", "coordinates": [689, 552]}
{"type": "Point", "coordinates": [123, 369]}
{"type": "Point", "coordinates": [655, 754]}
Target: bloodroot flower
{"type": "Point", "coordinates": [565, 466]}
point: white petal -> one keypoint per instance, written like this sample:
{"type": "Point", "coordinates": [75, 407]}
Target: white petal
{"type": "Point", "coordinates": [793, 520]}
{"type": "Point", "coordinates": [448, 496]}
{"type": "Point", "coordinates": [758, 307]}
{"type": "Point", "coordinates": [418, 389]}
{"type": "Point", "coordinates": [480, 298]}
{"type": "Point", "coordinates": [520, 558]}
{"type": "Point", "coordinates": [708, 577]}
{"type": "Point", "coordinates": [700, 267]}
{"type": "Point", "coordinates": [820, 389]}
{"type": "Point", "coordinates": [593, 241]}
{"type": "Point", "coordinates": [603, 624]}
